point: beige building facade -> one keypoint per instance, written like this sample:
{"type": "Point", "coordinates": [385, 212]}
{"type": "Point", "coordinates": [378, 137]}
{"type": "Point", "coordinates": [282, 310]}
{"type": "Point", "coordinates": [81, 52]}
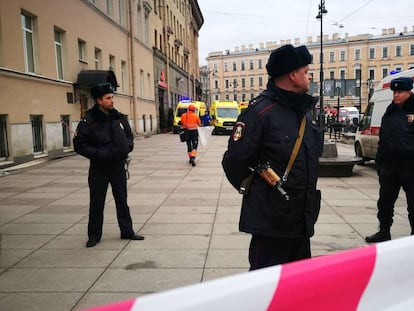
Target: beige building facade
{"type": "Point", "coordinates": [352, 66]}
{"type": "Point", "coordinates": [53, 51]}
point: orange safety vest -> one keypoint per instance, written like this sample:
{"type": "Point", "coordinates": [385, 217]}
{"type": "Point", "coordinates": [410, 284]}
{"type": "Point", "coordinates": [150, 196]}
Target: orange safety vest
{"type": "Point", "coordinates": [190, 120]}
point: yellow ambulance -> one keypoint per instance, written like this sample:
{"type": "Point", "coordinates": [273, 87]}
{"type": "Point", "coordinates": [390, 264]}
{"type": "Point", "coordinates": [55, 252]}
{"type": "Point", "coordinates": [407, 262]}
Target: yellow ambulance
{"type": "Point", "coordinates": [224, 115]}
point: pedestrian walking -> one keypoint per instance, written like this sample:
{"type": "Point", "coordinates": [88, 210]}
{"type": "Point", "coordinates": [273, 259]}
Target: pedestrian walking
{"type": "Point", "coordinates": [105, 138]}
{"type": "Point", "coordinates": [273, 159]}
{"type": "Point", "coordinates": [190, 122]}
{"type": "Point", "coordinates": [395, 157]}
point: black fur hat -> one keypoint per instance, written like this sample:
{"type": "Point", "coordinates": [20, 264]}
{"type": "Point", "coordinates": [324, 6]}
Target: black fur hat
{"type": "Point", "coordinates": [99, 90]}
{"type": "Point", "coordinates": [286, 59]}
{"type": "Point", "coordinates": [401, 84]}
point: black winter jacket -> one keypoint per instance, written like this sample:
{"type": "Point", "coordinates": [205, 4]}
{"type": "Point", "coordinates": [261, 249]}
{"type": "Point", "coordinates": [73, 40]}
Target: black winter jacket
{"type": "Point", "coordinates": [268, 128]}
{"type": "Point", "coordinates": [104, 138]}
{"type": "Point", "coordinates": [396, 137]}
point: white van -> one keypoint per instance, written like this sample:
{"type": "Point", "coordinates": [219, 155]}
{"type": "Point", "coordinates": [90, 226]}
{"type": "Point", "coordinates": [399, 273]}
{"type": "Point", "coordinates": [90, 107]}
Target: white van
{"type": "Point", "coordinates": [367, 136]}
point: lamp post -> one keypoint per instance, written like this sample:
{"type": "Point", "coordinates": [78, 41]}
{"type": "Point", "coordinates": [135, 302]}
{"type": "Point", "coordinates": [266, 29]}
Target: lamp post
{"type": "Point", "coordinates": [321, 12]}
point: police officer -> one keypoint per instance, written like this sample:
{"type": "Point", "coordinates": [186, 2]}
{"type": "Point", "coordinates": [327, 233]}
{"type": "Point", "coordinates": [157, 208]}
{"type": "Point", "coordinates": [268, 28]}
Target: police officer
{"type": "Point", "coordinates": [266, 133]}
{"type": "Point", "coordinates": [105, 138]}
{"type": "Point", "coordinates": [395, 156]}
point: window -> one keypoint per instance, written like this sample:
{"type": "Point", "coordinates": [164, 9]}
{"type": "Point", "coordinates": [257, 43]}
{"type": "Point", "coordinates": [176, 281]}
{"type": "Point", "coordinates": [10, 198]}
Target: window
{"type": "Point", "coordinates": [251, 82]}
{"type": "Point", "coordinates": [398, 51]}
{"type": "Point", "coordinates": [227, 97]}
{"type": "Point", "coordinates": [121, 9]}
{"type": "Point", "coordinates": [260, 81]}
{"type": "Point", "coordinates": [28, 42]}
{"type": "Point", "coordinates": [331, 57]}
{"type": "Point", "coordinates": [4, 152]}
{"type": "Point", "coordinates": [109, 7]}
{"type": "Point", "coordinates": [37, 132]}
{"type": "Point", "coordinates": [411, 49]}
{"type": "Point", "coordinates": [235, 97]}
{"type": "Point", "coordinates": [81, 50]}
{"type": "Point", "coordinates": [59, 53]}
{"type": "Point", "coordinates": [358, 73]}
{"type": "Point", "coordinates": [98, 58]}
{"type": "Point", "coordinates": [384, 72]}
{"type": "Point", "coordinates": [251, 64]}
{"type": "Point", "coordinates": [342, 56]}
{"type": "Point", "coordinates": [357, 54]}
{"type": "Point", "coordinates": [372, 74]}
{"type": "Point", "coordinates": [342, 74]}
{"type": "Point", "coordinates": [215, 84]}
{"type": "Point", "coordinates": [141, 83]}
{"type": "Point", "coordinates": [251, 95]}
{"type": "Point", "coordinates": [234, 66]}
{"type": "Point", "coordinates": [243, 65]}
{"type": "Point", "coordinates": [123, 76]}
{"type": "Point", "coordinates": [226, 83]}
{"type": "Point", "coordinates": [384, 52]}
{"type": "Point", "coordinates": [259, 64]}
{"type": "Point", "coordinates": [371, 53]}
{"type": "Point", "coordinates": [112, 62]}
{"type": "Point", "coordinates": [331, 75]}
{"type": "Point", "coordinates": [243, 82]}
{"type": "Point", "coordinates": [65, 121]}
{"type": "Point", "coordinates": [226, 67]}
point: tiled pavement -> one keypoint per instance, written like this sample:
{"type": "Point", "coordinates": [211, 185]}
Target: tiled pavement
{"type": "Point", "coordinates": [188, 215]}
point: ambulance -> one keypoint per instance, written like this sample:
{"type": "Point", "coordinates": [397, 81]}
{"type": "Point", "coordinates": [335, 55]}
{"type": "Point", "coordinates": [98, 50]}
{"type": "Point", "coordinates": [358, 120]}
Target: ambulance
{"type": "Point", "coordinates": [243, 105]}
{"type": "Point", "coordinates": [224, 115]}
{"type": "Point", "coordinates": [182, 107]}
{"type": "Point", "coordinates": [367, 135]}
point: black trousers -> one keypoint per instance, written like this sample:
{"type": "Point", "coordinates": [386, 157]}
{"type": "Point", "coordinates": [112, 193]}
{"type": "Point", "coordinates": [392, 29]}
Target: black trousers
{"type": "Point", "coordinates": [192, 141]}
{"type": "Point", "coordinates": [99, 178]}
{"type": "Point", "coordinates": [391, 181]}
{"type": "Point", "coordinates": [267, 251]}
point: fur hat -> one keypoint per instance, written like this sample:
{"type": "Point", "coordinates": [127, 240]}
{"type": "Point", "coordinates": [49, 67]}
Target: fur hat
{"type": "Point", "coordinates": [99, 90]}
{"type": "Point", "coordinates": [401, 84]}
{"type": "Point", "coordinates": [286, 59]}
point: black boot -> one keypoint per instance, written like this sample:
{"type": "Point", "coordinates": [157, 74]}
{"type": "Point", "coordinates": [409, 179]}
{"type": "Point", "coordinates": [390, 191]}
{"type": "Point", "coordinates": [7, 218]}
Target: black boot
{"type": "Point", "coordinates": [380, 236]}
{"type": "Point", "coordinates": [192, 161]}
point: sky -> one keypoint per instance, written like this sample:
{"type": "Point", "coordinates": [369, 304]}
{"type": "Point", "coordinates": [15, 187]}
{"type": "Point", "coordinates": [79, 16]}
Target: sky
{"type": "Point", "coordinates": [233, 23]}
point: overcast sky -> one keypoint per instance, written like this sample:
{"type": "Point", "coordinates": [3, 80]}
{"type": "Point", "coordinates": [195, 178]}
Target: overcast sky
{"type": "Point", "coordinates": [231, 23]}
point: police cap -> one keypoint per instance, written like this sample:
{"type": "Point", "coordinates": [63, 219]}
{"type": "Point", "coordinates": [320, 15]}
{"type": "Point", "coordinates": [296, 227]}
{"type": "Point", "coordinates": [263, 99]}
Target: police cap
{"type": "Point", "coordinates": [286, 59]}
{"type": "Point", "coordinates": [99, 90]}
{"type": "Point", "coordinates": [401, 84]}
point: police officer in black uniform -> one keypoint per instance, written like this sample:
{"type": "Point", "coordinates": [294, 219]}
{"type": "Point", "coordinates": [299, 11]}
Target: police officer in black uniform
{"type": "Point", "coordinates": [281, 224]}
{"type": "Point", "coordinates": [395, 157]}
{"type": "Point", "coordinates": [105, 138]}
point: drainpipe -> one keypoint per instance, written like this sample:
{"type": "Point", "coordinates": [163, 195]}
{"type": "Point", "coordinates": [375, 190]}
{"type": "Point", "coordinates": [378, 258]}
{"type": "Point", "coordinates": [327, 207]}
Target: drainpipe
{"type": "Point", "coordinates": [132, 70]}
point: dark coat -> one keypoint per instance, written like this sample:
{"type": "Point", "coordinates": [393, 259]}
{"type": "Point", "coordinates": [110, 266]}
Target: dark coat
{"type": "Point", "coordinates": [396, 137]}
{"type": "Point", "coordinates": [104, 138]}
{"type": "Point", "coordinates": [268, 128]}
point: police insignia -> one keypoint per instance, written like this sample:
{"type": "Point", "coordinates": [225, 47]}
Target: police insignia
{"type": "Point", "coordinates": [238, 131]}
{"type": "Point", "coordinates": [410, 118]}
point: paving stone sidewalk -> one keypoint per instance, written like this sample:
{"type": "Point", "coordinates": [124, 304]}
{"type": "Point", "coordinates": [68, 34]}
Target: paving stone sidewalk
{"type": "Point", "coordinates": [189, 216]}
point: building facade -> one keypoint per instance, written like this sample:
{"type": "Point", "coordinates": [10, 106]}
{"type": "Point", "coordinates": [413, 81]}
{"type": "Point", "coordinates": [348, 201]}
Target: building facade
{"type": "Point", "coordinates": [53, 51]}
{"type": "Point", "coordinates": [353, 65]}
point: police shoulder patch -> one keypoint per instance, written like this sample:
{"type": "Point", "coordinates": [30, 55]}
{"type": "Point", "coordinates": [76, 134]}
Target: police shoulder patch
{"type": "Point", "coordinates": [238, 131]}
{"type": "Point", "coordinates": [410, 118]}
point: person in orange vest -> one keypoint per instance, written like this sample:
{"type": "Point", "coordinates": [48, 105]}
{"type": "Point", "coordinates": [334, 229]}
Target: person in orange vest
{"type": "Point", "coordinates": [190, 122]}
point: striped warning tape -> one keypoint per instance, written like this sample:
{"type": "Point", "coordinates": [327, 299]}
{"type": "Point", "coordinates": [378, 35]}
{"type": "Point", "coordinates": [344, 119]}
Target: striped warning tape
{"type": "Point", "coordinates": [376, 277]}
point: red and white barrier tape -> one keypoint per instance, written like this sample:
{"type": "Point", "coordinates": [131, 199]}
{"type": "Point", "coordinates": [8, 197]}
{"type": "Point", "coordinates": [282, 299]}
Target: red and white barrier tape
{"type": "Point", "coordinates": [375, 277]}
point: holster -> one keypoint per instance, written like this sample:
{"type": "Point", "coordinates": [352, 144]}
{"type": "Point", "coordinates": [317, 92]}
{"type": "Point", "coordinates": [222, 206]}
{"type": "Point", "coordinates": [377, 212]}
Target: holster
{"type": "Point", "coordinates": [245, 183]}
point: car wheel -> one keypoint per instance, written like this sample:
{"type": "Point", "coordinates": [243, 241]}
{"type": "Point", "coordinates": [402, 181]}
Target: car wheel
{"type": "Point", "coordinates": [358, 153]}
